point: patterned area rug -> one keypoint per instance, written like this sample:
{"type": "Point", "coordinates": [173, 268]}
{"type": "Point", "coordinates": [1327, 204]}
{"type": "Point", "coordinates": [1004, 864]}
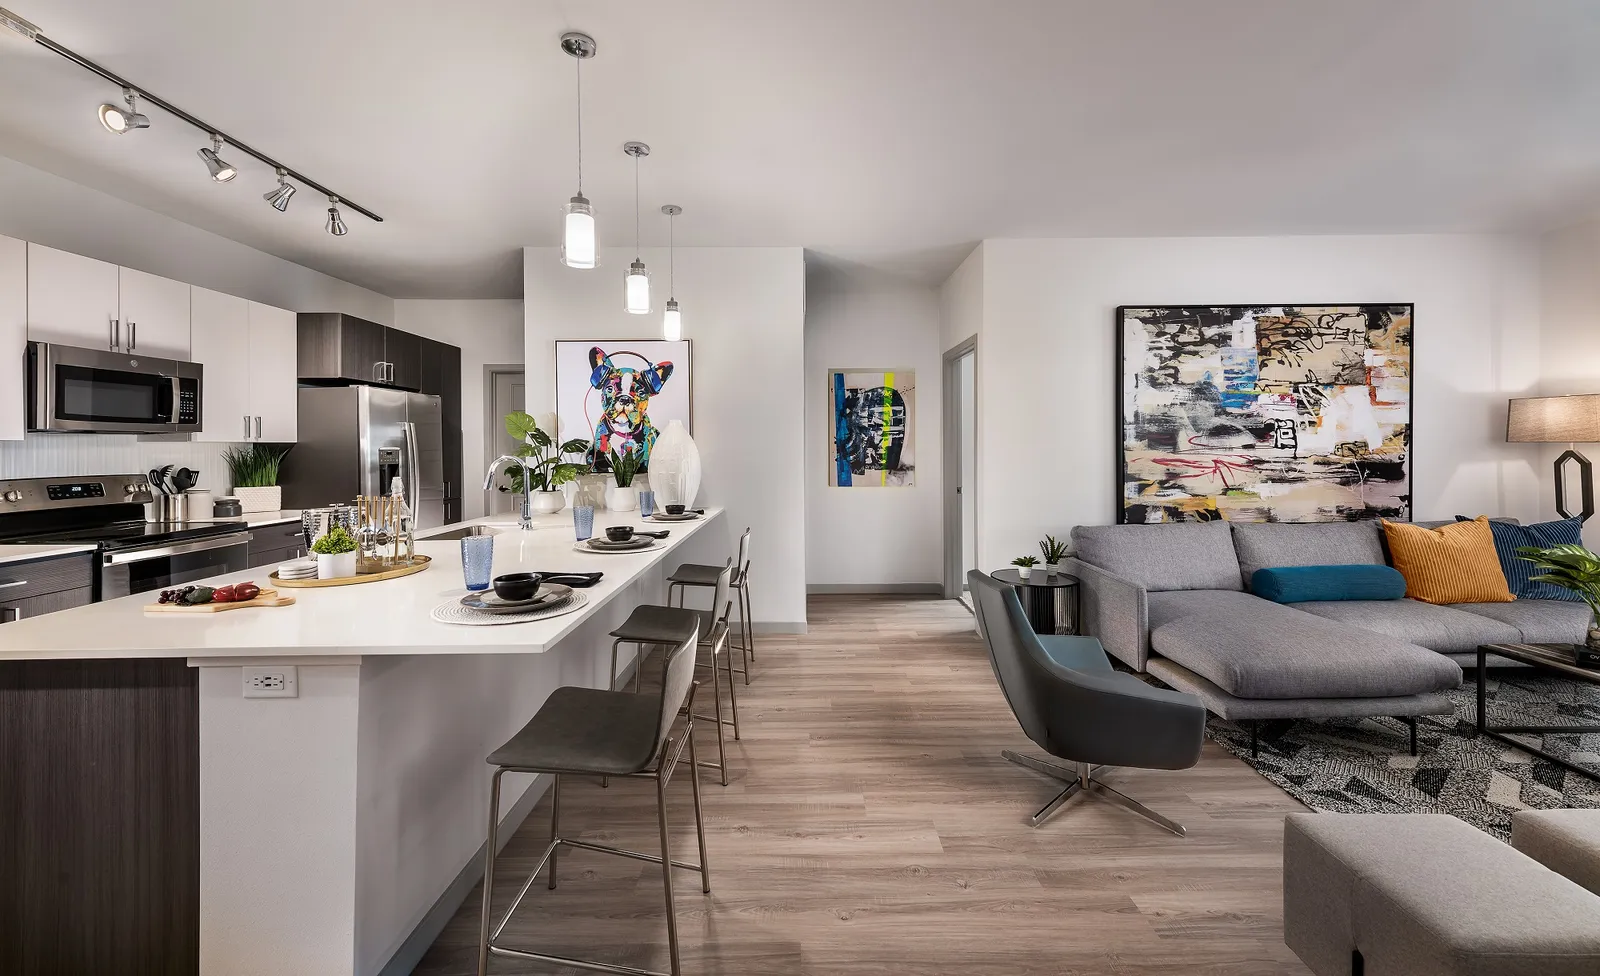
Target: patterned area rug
{"type": "Point", "coordinates": [1365, 766]}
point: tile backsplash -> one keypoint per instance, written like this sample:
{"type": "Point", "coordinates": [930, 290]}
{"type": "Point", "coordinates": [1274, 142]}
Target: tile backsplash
{"type": "Point", "coordinates": [67, 455]}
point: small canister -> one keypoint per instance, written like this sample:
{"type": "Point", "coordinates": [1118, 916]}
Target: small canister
{"type": "Point", "coordinates": [226, 506]}
{"type": "Point", "coordinates": [199, 504]}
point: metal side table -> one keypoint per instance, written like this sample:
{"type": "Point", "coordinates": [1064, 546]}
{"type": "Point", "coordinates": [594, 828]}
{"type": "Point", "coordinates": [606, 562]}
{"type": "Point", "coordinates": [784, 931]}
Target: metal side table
{"type": "Point", "coordinates": [1049, 600]}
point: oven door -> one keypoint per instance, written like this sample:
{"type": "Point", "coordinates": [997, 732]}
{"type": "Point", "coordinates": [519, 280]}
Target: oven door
{"type": "Point", "coordinates": [95, 391]}
{"type": "Point", "coordinates": [129, 571]}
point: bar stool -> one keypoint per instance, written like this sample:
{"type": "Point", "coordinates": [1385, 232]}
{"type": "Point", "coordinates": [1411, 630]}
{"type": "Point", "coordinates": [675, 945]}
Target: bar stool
{"type": "Point", "coordinates": [649, 625]}
{"type": "Point", "coordinates": [700, 574]}
{"type": "Point", "coordinates": [587, 731]}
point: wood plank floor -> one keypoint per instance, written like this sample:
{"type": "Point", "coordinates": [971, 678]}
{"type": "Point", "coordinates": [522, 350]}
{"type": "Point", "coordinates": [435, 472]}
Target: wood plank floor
{"type": "Point", "coordinates": [872, 827]}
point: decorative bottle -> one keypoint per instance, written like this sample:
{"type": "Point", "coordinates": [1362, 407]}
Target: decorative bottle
{"type": "Point", "coordinates": [405, 530]}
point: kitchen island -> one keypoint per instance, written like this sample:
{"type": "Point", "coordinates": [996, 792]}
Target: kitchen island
{"type": "Point", "coordinates": [338, 829]}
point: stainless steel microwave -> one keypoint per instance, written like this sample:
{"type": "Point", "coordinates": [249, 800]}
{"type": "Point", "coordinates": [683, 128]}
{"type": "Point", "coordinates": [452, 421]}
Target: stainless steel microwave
{"type": "Point", "coordinates": [102, 392]}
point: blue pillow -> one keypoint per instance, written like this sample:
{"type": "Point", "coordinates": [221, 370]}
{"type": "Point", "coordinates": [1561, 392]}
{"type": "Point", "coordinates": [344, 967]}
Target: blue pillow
{"type": "Point", "coordinates": [1310, 584]}
{"type": "Point", "coordinates": [1509, 536]}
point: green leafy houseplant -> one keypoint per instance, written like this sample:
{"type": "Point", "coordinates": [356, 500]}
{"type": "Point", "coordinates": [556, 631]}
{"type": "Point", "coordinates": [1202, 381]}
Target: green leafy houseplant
{"type": "Point", "coordinates": [547, 465]}
{"type": "Point", "coordinates": [334, 542]}
{"type": "Point", "coordinates": [623, 467]}
{"type": "Point", "coordinates": [1052, 549]}
{"type": "Point", "coordinates": [254, 465]}
{"type": "Point", "coordinates": [1027, 561]}
{"type": "Point", "coordinates": [1574, 568]}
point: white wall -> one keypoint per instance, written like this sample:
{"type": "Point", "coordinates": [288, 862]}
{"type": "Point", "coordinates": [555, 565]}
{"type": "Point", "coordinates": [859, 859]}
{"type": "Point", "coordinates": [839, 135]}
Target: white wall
{"type": "Point", "coordinates": [744, 308]}
{"type": "Point", "coordinates": [961, 302]}
{"type": "Point", "coordinates": [1047, 361]}
{"type": "Point", "coordinates": [489, 333]}
{"type": "Point", "coordinates": [861, 537]}
{"type": "Point", "coordinates": [1570, 342]}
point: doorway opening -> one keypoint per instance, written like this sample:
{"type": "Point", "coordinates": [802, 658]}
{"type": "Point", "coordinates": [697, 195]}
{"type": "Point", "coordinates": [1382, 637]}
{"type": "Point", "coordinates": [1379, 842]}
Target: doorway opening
{"type": "Point", "coordinates": [506, 390]}
{"type": "Point", "coordinates": [960, 468]}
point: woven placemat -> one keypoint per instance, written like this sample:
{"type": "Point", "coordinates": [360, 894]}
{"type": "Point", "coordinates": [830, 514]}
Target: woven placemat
{"type": "Point", "coordinates": [452, 612]}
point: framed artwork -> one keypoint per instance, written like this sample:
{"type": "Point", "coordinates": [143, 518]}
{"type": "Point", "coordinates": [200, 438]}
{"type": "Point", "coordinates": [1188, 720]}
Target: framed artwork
{"type": "Point", "coordinates": [619, 394]}
{"type": "Point", "coordinates": [1264, 413]}
{"type": "Point", "coordinates": [874, 414]}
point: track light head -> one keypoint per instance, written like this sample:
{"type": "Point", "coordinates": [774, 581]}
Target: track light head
{"type": "Point", "coordinates": [221, 170]}
{"type": "Point", "coordinates": [279, 195]}
{"type": "Point", "coordinates": [335, 225]}
{"type": "Point", "coordinates": [118, 119]}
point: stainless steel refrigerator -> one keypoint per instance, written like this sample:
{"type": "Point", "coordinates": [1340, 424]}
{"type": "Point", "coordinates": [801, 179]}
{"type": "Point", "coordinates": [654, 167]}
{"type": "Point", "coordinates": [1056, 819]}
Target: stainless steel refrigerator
{"type": "Point", "coordinates": [354, 440]}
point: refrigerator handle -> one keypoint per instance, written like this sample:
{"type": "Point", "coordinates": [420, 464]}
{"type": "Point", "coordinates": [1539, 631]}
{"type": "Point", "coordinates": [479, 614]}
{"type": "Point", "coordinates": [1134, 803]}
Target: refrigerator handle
{"type": "Point", "coordinates": [413, 469]}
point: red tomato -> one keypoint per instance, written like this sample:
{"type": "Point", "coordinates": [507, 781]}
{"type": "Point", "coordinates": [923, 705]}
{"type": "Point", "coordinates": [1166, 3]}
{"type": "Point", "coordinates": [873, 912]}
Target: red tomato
{"type": "Point", "coordinates": [246, 591]}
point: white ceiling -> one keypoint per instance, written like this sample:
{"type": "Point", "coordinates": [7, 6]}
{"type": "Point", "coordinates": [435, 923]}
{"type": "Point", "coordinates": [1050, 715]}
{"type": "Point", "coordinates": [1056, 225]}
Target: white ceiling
{"type": "Point", "coordinates": [892, 132]}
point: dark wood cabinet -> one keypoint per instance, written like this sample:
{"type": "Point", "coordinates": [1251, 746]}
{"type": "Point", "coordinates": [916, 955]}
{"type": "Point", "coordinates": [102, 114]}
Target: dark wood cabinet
{"type": "Point", "coordinates": [274, 544]}
{"type": "Point", "coordinates": [403, 352]}
{"type": "Point", "coordinates": [441, 376]}
{"type": "Point", "coordinates": [28, 589]}
{"type": "Point", "coordinates": [335, 347]}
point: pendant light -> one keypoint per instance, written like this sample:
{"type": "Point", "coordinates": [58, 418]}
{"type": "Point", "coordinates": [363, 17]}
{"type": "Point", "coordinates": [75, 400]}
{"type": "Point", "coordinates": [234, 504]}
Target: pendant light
{"type": "Point", "coordinates": [579, 249]}
{"type": "Point", "coordinates": [636, 283]}
{"type": "Point", "coordinates": [672, 320]}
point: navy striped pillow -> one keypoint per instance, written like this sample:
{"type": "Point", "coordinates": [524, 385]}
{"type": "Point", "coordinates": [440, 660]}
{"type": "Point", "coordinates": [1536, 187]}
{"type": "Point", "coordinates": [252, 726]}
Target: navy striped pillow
{"type": "Point", "coordinates": [1508, 537]}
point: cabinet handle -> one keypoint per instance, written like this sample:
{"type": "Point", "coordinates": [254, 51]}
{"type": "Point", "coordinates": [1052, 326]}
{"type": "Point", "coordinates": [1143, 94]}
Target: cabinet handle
{"type": "Point", "coordinates": [390, 369]}
{"type": "Point", "coordinates": [111, 333]}
{"type": "Point", "coordinates": [7, 586]}
{"type": "Point", "coordinates": [258, 428]}
{"type": "Point", "coordinates": [16, 614]}
{"type": "Point", "coordinates": [246, 426]}
{"type": "Point", "coordinates": [116, 334]}
{"type": "Point", "coordinates": [133, 335]}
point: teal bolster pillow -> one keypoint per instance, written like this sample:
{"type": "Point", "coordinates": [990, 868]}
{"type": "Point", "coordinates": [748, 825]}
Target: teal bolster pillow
{"type": "Point", "coordinates": [1308, 584]}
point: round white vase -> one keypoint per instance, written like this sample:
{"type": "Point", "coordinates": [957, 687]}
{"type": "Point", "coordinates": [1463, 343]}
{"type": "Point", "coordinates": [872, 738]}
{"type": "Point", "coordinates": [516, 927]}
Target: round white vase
{"type": "Point", "coordinates": [1024, 572]}
{"type": "Point", "coordinates": [675, 467]}
{"type": "Point", "coordinates": [619, 499]}
{"type": "Point", "coordinates": [548, 502]}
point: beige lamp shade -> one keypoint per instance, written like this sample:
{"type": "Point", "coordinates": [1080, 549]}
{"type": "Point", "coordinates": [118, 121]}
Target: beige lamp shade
{"type": "Point", "coordinates": [1555, 420]}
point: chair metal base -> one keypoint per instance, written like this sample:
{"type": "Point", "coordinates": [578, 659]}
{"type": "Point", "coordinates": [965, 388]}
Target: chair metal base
{"type": "Point", "coordinates": [1082, 780]}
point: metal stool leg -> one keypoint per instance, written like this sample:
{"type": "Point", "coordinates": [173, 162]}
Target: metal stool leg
{"type": "Point", "coordinates": [666, 858]}
{"type": "Point", "coordinates": [699, 814]}
{"type": "Point", "coordinates": [749, 622]}
{"type": "Point", "coordinates": [488, 873]}
{"type": "Point", "coordinates": [733, 687]}
{"type": "Point", "coordinates": [716, 698]}
{"type": "Point", "coordinates": [555, 826]}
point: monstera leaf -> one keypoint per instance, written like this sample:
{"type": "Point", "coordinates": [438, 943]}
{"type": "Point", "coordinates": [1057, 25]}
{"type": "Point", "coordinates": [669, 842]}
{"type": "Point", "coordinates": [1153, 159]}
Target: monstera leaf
{"type": "Point", "coordinates": [525, 430]}
{"type": "Point", "coordinates": [537, 439]}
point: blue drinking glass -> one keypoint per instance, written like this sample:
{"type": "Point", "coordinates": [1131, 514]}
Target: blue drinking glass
{"type": "Point", "coordinates": [647, 503]}
{"type": "Point", "coordinates": [477, 559]}
{"type": "Point", "coordinates": [583, 521]}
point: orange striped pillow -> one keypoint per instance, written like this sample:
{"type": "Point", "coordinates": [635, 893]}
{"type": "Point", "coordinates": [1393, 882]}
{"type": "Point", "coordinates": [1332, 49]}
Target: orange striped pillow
{"type": "Point", "coordinates": [1451, 564]}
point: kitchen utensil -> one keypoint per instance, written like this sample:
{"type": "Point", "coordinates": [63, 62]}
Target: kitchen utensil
{"type": "Point", "coordinates": [490, 603]}
{"type": "Point", "coordinates": [266, 598]}
{"type": "Point", "coordinates": [652, 535]}
{"type": "Point", "coordinates": [517, 587]}
{"type": "Point", "coordinates": [477, 556]}
{"type": "Point", "coordinates": [184, 479]}
{"type": "Point", "coordinates": [619, 533]}
{"type": "Point", "coordinates": [157, 483]}
{"type": "Point", "coordinates": [575, 580]}
{"type": "Point", "coordinates": [166, 478]}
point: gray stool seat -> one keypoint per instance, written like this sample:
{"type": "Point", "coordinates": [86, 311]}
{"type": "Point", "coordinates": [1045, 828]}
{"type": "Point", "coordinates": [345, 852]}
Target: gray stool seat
{"type": "Point", "coordinates": [586, 730]}
{"type": "Point", "coordinates": [659, 625]}
{"type": "Point", "coordinates": [696, 574]}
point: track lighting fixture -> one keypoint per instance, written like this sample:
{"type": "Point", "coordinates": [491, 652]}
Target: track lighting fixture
{"type": "Point", "coordinates": [280, 195]}
{"type": "Point", "coordinates": [579, 249]}
{"type": "Point", "coordinates": [221, 170]}
{"type": "Point", "coordinates": [119, 119]}
{"type": "Point", "coordinates": [672, 319]}
{"type": "Point", "coordinates": [335, 225]}
{"type": "Point", "coordinates": [636, 283]}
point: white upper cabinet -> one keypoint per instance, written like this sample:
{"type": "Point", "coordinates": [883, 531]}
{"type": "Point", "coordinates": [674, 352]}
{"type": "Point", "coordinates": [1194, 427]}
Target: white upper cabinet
{"type": "Point", "coordinates": [72, 300]}
{"type": "Point", "coordinates": [13, 337]}
{"type": "Point", "coordinates": [274, 374]}
{"type": "Point", "coordinates": [220, 341]}
{"type": "Point", "coordinates": [155, 315]}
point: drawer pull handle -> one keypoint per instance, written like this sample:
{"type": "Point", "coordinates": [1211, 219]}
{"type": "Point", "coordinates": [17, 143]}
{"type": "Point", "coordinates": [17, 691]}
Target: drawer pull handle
{"type": "Point", "coordinates": [7, 586]}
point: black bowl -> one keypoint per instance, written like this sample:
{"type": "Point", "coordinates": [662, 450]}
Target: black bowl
{"type": "Point", "coordinates": [619, 533]}
{"type": "Point", "coordinates": [675, 509]}
{"type": "Point", "coordinates": [516, 587]}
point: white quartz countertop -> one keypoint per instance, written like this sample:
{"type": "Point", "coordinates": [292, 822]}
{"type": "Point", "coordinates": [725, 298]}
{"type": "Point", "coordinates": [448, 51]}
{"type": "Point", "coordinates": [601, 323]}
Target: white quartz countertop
{"type": "Point", "coordinates": [17, 554]}
{"type": "Point", "coordinates": [387, 617]}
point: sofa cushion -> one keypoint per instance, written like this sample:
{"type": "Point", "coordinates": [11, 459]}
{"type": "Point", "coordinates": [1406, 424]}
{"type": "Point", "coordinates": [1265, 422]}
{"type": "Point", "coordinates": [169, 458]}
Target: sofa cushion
{"type": "Point", "coordinates": [1538, 621]}
{"type": "Point", "coordinates": [1565, 841]}
{"type": "Point", "coordinates": [1305, 584]}
{"type": "Point", "coordinates": [1259, 649]}
{"type": "Point", "coordinates": [1172, 556]}
{"type": "Point", "coordinates": [1263, 545]}
{"type": "Point", "coordinates": [1443, 629]}
{"type": "Point", "coordinates": [1454, 563]}
{"type": "Point", "coordinates": [1172, 604]}
{"type": "Point", "coordinates": [1509, 537]}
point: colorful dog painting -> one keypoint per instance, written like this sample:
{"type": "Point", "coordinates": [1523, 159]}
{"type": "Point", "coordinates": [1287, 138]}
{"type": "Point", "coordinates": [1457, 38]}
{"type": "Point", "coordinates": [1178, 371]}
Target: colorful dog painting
{"type": "Point", "coordinates": [624, 425]}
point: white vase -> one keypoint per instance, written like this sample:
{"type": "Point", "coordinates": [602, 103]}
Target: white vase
{"type": "Point", "coordinates": [675, 467]}
{"type": "Point", "coordinates": [268, 499]}
{"type": "Point", "coordinates": [336, 565]}
{"type": "Point", "coordinates": [1024, 572]}
{"type": "Point", "coordinates": [1052, 569]}
{"type": "Point", "coordinates": [619, 499]}
{"type": "Point", "coordinates": [548, 502]}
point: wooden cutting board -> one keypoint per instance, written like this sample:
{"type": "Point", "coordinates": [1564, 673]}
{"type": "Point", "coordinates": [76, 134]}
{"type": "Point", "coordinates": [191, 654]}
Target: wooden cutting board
{"type": "Point", "coordinates": [266, 598]}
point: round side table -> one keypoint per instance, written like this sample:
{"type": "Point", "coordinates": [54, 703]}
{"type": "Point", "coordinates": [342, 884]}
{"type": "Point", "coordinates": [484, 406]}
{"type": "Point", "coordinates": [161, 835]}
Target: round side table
{"type": "Point", "coordinates": [1051, 602]}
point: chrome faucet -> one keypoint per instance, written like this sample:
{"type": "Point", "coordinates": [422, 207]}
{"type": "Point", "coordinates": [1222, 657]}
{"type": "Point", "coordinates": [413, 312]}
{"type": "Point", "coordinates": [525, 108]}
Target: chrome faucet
{"type": "Point", "coordinates": [527, 485]}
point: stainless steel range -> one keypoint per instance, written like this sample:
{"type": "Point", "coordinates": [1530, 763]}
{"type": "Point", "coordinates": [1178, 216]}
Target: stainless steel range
{"type": "Point", "coordinates": [107, 512]}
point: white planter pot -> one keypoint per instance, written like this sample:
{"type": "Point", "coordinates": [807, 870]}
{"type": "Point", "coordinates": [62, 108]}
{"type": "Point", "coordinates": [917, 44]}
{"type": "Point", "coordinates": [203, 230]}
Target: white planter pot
{"type": "Point", "coordinates": [268, 499]}
{"type": "Point", "coordinates": [1052, 569]}
{"type": "Point", "coordinates": [675, 467]}
{"type": "Point", "coordinates": [622, 499]}
{"type": "Point", "coordinates": [336, 565]}
{"type": "Point", "coordinates": [548, 502]}
{"type": "Point", "coordinates": [1024, 572]}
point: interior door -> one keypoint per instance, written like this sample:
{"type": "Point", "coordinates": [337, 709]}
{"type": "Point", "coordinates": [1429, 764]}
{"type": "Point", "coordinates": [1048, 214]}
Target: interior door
{"type": "Point", "coordinates": [221, 343]}
{"type": "Point", "coordinates": [72, 299]}
{"type": "Point", "coordinates": [509, 394]}
{"type": "Point", "coordinates": [274, 398]}
{"type": "Point", "coordinates": [155, 315]}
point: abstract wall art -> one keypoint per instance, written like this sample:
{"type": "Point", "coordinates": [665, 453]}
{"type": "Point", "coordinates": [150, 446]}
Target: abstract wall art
{"type": "Point", "coordinates": [619, 394]}
{"type": "Point", "coordinates": [1265, 413]}
{"type": "Point", "coordinates": [874, 428]}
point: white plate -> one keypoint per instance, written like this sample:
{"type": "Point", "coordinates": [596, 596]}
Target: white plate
{"type": "Point", "coordinates": [585, 547]}
{"type": "Point", "coordinates": [452, 612]}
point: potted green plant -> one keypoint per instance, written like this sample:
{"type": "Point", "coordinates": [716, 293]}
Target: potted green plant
{"type": "Point", "coordinates": [623, 496]}
{"type": "Point", "coordinates": [253, 469]}
{"type": "Point", "coordinates": [336, 553]}
{"type": "Point", "coordinates": [547, 465]}
{"type": "Point", "coordinates": [1024, 566]}
{"type": "Point", "coordinates": [1574, 568]}
{"type": "Point", "coordinates": [1053, 551]}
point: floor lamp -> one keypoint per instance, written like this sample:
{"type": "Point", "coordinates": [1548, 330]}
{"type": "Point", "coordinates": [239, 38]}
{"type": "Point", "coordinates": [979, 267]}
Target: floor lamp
{"type": "Point", "coordinates": [1565, 420]}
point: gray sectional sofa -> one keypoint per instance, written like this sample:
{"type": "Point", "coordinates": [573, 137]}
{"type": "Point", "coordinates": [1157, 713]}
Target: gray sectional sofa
{"type": "Point", "coordinates": [1174, 600]}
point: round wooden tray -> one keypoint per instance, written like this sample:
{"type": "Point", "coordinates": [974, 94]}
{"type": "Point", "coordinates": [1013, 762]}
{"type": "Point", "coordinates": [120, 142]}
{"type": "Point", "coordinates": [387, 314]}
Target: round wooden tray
{"type": "Point", "coordinates": [418, 564]}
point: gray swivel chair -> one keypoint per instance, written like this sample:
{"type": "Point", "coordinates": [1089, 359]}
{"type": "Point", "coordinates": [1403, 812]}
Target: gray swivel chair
{"type": "Point", "coordinates": [1071, 703]}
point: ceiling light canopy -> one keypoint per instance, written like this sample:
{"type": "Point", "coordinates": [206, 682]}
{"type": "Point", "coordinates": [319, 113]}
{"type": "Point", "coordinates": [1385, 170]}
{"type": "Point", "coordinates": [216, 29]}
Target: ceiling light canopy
{"type": "Point", "coordinates": [280, 195]}
{"type": "Point", "coordinates": [335, 225]}
{"type": "Point", "coordinates": [672, 319]}
{"type": "Point", "coordinates": [120, 118]}
{"type": "Point", "coordinates": [636, 283]}
{"type": "Point", "coordinates": [579, 246]}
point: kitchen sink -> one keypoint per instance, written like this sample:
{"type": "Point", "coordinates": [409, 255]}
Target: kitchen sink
{"type": "Point", "coordinates": [461, 533]}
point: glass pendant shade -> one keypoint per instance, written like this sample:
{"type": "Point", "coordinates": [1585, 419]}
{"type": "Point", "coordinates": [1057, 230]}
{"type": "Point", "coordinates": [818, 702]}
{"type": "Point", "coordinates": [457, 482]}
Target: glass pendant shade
{"type": "Point", "coordinates": [578, 246]}
{"type": "Point", "coordinates": [636, 289]}
{"type": "Point", "coordinates": [672, 322]}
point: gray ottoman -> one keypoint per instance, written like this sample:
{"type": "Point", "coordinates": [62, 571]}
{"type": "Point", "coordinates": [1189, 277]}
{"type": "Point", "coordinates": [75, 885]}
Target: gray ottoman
{"type": "Point", "coordinates": [1565, 841]}
{"type": "Point", "coordinates": [1428, 895]}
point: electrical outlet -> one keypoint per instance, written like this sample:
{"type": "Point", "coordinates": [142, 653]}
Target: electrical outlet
{"type": "Point", "coordinates": [279, 682]}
